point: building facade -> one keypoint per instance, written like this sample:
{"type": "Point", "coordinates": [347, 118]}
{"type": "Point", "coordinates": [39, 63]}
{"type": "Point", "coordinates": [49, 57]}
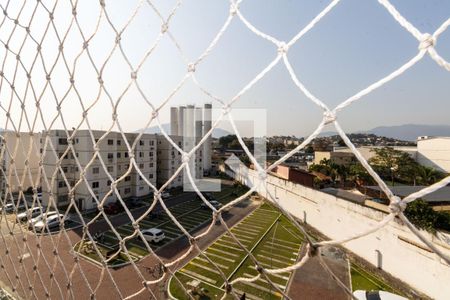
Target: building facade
{"type": "Point", "coordinates": [170, 159]}
{"type": "Point", "coordinates": [98, 173]}
{"type": "Point", "coordinates": [339, 158]}
{"type": "Point", "coordinates": [434, 152]}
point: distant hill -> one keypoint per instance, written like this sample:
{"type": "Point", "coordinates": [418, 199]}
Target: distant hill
{"type": "Point", "coordinates": [407, 132]}
{"type": "Point", "coordinates": [217, 132]}
{"type": "Point", "coordinates": [410, 132]}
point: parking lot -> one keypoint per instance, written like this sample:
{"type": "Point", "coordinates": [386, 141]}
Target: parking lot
{"type": "Point", "coordinates": [190, 214]}
{"type": "Point", "coordinates": [268, 235]}
{"type": "Point", "coordinates": [22, 226]}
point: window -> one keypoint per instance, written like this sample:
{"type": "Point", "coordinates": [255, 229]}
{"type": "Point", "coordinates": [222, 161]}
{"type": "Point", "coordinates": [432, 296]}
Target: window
{"type": "Point", "coordinates": [141, 154]}
{"type": "Point", "coordinates": [110, 156]}
{"type": "Point", "coordinates": [141, 143]}
{"type": "Point", "coordinates": [40, 150]}
{"type": "Point", "coordinates": [61, 184]}
{"type": "Point", "coordinates": [141, 166]}
{"type": "Point", "coordinates": [76, 141]}
{"type": "Point", "coordinates": [62, 141]}
{"type": "Point", "coordinates": [151, 154]}
{"type": "Point", "coordinates": [76, 154]}
{"type": "Point", "coordinates": [150, 176]}
{"type": "Point", "coordinates": [126, 154]}
{"type": "Point", "coordinates": [60, 154]}
{"type": "Point", "coordinates": [95, 185]}
{"type": "Point", "coordinates": [151, 165]}
{"type": "Point", "coordinates": [119, 142]}
{"type": "Point", "coordinates": [152, 143]}
{"type": "Point", "coordinates": [95, 170]}
{"type": "Point", "coordinates": [119, 154]}
{"type": "Point", "coordinates": [127, 190]}
{"type": "Point", "coordinates": [141, 188]}
{"type": "Point", "coordinates": [128, 178]}
{"type": "Point", "coordinates": [108, 183]}
{"type": "Point", "coordinates": [110, 142]}
{"type": "Point", "coordinates": [140, 177]}
{"type": "Point", "coordinates": [110, 169]}
{"type": "Point", "coordinates": [65, 169]}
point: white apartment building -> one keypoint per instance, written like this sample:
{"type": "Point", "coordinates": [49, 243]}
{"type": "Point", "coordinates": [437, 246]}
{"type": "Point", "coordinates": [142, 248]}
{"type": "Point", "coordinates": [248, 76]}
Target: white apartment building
{"type": "Point", "coordinates": [115, 155]}
{"type": "Point", "coordinates": [169, 160]}
{"type": "Point", "coordinates": [434, 152]}
{"type": "Point", "coordinates": [19, 161]}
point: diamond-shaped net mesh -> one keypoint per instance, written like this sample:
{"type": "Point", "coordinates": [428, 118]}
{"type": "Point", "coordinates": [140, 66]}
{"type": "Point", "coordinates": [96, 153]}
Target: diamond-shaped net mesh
{"type": "Point", "coordinates": [37, 265]}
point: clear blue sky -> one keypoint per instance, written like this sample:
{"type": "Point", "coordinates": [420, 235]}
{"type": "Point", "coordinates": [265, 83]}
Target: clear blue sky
{"type": "Point", "coordinates": [353, 46]}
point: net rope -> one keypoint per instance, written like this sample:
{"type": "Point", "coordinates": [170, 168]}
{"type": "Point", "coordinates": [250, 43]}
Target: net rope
{"type": "Point", "coordinates": [23, 281]}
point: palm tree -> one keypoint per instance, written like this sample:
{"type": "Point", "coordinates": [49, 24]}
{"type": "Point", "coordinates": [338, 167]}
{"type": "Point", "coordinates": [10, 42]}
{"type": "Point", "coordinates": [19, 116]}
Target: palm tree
{"type": "Point", "coordinates": [428, 175]}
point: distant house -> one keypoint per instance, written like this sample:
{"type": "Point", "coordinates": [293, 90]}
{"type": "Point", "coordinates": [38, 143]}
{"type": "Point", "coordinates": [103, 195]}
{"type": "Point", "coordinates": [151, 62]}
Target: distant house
{"type": "Point", "coordinates": [339, 158]}
{"type": "Point", "coordinates": [294, 175]}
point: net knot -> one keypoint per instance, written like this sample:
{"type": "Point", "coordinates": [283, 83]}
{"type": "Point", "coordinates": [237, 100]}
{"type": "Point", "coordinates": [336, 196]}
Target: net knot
{"type": "Point", "coordinates": [135, 225]}
{"type": "Point", "coordinates": [233, 9]}
{"type": "Point", "coordinates": [397, 205]}
{"type": "Point", "coordinates": [154, 114]}
{"type": "Point", "coordinates": [185, 158]}
{"type": "Point", "coordinates": [164, 28]}
{"type": "Point", "coordinates": [226, 109]}
{"type": "Point", "coordinates": [427, 41]}
{"type": "Point", "coordinates": [134, 75]}
{"type": "Point", "coordinates": [131, 155]}
{"type": "Point", "coordinates": [282, 48]}
{"type": "Point", "coordinates": [191, 67]}
{"type": "Point", "coordinates": [329, 117]}
{"type": "Point", "coordinates": [258, 268]}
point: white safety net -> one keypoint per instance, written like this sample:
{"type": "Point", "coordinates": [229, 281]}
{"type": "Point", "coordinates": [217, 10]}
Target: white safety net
{"type": "Point", "coordinates": [29, 269]}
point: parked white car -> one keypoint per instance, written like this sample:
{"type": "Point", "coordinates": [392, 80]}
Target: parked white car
{"type": "Point", "coordinates": [165, 195]}
{"type": "Point", "coordinates": [50, 222]}
{"type": "Point", "coordinates": [154, 235]}
{"type": "Point", "coordinates": [11, 207]}
{"type": "Point", "coordinates": [30, 213]}
{"type": "Point", "coordinates": [376, 295]}
{"type": "Point", "coordinates": [214, 203]}
{"type": "Point", "coordinates": [39, 217]}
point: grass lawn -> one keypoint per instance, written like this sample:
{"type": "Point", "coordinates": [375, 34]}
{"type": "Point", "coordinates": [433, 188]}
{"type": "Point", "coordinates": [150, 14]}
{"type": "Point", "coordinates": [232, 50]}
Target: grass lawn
{"type": "Point", "coordinates": [364, 280]}
{"type": "Point", "coordinates": [271, 238]}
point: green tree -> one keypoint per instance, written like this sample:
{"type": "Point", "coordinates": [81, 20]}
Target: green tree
{"type": "Point", "coordinates": [392, 164]}
{"type": "Point", "coordinates": [427, 175]}
{"type": "Point", "coordinates": [359, 174]}
{"type": "Point", "coordinates": [422, 215]}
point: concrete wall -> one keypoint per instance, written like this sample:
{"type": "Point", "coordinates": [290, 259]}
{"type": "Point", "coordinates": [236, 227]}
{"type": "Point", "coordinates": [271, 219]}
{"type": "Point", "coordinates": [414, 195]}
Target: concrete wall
{"type": "Point", "coordinates": [401, 253]}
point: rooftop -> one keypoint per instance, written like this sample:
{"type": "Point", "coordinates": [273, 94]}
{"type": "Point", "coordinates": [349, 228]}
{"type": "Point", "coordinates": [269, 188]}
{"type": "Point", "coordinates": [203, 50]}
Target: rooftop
{"type": "Point", "coordinates": [441, 195]}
